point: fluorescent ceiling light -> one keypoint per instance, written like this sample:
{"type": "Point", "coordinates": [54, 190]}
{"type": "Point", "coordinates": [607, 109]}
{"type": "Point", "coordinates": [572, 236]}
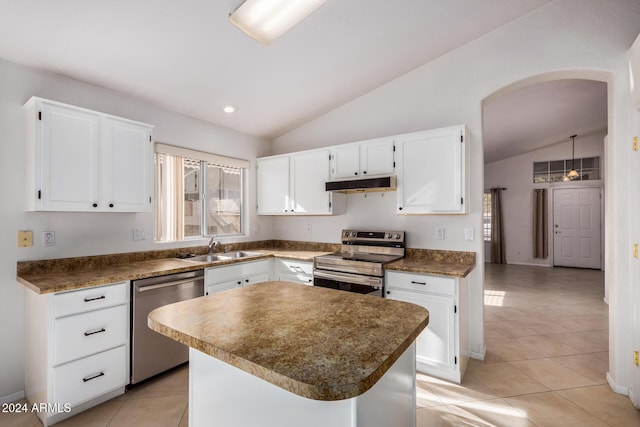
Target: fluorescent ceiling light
{"type": "Point", "coordinates": [266, 20]}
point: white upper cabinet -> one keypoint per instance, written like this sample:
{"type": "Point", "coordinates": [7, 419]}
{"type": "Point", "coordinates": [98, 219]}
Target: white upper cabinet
{"type": "Point", "coordinates": [432, 169]}
{"type": "Point", "coordinates": [293, 184]}
{"type": "Point", "coordinates": [345, 162]}
{"type": "Point", "coordinates": [273, 185]}
{"type": "Point", "coordinates": [82, 160]}
{"type": "Point", "coordinates": [128, 165]}
{"type": "Point", "coordinates": [362, 159]}
{"type": "Point", "coordinates": [309, 173]}
{"type": "Point", "coordinates": [376, 157]}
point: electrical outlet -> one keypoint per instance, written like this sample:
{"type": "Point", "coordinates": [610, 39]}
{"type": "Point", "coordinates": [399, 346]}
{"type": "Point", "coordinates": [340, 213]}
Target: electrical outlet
{"type": "Point", "coordinates": [440, 233]}
{"type": "Point", "coordinates": [309, 228]}
{"type": "Point", "coordinates": [138, 234]}
{"type": "Point", "coordinates": [48, 238]}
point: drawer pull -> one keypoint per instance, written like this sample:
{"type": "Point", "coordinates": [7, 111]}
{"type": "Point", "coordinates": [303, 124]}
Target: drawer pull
{"type": "Point", "coordinates": [94, 299]}
{"type": "Point", "coordinates": [418, 283]}
{"type": "Point", "coordinates": [101, 374]}
{"type": "Point", "coordinates": [86, 334]}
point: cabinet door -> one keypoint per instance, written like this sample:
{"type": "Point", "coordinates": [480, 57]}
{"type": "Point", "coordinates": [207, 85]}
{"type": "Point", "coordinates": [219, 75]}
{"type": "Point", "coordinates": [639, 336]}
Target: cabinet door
{"type": "Point", "coordinates": [345, 162]}
{"type": "Point", "coordinates": [309, 173]}
{"type": "Point", "coordinates": [376, 157]}
{"type": "Point", "coordinates": [126, 161]}
{"type": "Point", "coordinates": [273, 185]}
{"type": "Point", "coordinates": [436, 345]}
{"type": "Point", "coordinates": [300, 278]}
{"type": "Point", "coordinates": [224, 286]}
{"type": "Point", "coordinates": [430, 171]}
{"type": "Point", "coordinates": [256, 278]}
{"type": "Point", "coordinates": [68, 146]}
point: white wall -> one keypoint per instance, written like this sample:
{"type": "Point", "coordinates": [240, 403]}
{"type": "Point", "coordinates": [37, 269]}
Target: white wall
{"type": "Point", "coordinates": [566, 38]}
{"type": "Point", "coordinates": [516, 174]}
{"type": "Point", "coordinates": [634, 226]}
{"type": "Point", "coordinates": [79, 234]}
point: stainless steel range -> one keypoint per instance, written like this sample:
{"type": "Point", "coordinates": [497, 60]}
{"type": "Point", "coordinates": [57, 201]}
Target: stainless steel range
{"type": "Point", "coordinates": [358, 267]}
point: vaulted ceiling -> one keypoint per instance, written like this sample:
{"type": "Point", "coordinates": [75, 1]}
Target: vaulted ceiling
{"type": "Point", "coordinates": [186, 57]}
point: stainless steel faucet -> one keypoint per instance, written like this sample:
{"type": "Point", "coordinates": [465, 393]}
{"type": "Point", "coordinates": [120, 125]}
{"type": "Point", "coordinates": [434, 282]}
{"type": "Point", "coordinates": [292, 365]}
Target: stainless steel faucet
{"type": "Point", "coordinates": [213, 243]}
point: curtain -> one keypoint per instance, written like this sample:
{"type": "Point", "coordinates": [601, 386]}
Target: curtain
{"type": "Point", "coordinates": [170, 198]}
{"type": "Point", "coordinates": [540, 243]}
{"type": "Point", "coordinates": [498, 254]}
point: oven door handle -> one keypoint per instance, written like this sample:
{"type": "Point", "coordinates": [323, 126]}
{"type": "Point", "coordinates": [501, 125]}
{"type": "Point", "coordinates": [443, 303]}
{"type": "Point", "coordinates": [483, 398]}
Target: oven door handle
{"type": "Point", "coordinates": [349, 278]}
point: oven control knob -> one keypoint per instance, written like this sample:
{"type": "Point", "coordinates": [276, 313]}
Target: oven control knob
{"type": "Point", "coordinates": [389, 235]}
{"type": "Point", "coordinates": [397, 236]}
{"type": "Point", "coordinates": [353, 234]}
{"type": "Point", "coordinates": [346, 234]}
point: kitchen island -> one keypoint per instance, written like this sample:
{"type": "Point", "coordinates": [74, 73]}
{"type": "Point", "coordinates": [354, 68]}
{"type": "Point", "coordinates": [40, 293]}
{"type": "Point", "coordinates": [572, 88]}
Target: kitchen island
{"type": "Point", "coordinates": [282, 354]}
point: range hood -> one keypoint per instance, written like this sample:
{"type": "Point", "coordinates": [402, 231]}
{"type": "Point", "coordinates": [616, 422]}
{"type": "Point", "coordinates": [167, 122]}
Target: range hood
{"type": "Point", "coordinates": [386, 183]}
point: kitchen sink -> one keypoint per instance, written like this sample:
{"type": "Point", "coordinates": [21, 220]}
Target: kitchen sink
{"type": "Point", "coordinates": [241, 254]}
{"type": "Point", "coordinates": [222, 256]}
{"type": "Point", "coordinates": [208, 258]}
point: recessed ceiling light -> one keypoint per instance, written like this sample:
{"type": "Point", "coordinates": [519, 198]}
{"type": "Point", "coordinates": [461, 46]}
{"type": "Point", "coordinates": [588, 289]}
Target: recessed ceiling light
{"type": "Point", "coordinates": [229, 109]}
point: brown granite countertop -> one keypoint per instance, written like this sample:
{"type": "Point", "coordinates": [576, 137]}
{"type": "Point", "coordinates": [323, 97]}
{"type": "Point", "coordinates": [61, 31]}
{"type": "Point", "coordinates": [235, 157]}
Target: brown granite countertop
{"type": "Point", "coordinates": [67, 274]}
{"type": "Point", "coordinates": [443, 263]}
{"type": "Point", "coordinates": [311, 341]}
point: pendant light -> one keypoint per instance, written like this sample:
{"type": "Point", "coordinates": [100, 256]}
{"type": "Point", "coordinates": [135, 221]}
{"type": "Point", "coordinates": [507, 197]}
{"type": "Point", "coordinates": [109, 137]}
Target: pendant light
{"type": "Point", "coordinates": [573, 173]}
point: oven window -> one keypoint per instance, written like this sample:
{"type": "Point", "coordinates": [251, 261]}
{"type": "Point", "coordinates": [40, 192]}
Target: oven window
{"type": "Point", "coordinates": [346, 286]}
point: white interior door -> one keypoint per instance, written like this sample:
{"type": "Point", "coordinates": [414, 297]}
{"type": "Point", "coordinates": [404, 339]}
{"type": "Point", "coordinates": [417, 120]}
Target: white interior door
{"type": "Point", "coordinates": [576, 228]}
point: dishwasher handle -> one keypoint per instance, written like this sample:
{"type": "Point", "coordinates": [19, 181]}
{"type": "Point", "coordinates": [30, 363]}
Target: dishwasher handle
{"type": "Point", "coordinates": [193, 280]}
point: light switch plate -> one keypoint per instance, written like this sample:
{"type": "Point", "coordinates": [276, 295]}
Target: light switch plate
{"type": "Point", "coordinates": [440, 233]}
{"type": "Point", "coordinates": [25, 238]}
{"type": "Point", "coordinates": [468, 234]}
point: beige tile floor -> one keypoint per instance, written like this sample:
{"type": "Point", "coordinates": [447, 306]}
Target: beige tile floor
{"type": "Point", "coordinates": [547, 357]}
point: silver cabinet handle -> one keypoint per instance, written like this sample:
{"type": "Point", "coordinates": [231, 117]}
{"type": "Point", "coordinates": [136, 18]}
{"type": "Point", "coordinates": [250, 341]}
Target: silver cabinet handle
{"type": "Point", "coordinates": [94, 299]}
{"type": "Point", "coordinates": [418, 283]}
{"type": "Point", "coordinates": [193, 280]}
{"type": "Point", "coordinates": [85, 379]}
{"type": "Point", "coordinates": [86, 334]}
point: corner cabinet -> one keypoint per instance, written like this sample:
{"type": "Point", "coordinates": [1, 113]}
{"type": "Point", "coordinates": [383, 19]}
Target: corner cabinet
{"type": "Point", "coordinates": [294, 184]}
{"type": "Point", "coordinates": [442, 349]}
{"type": "Point", "coordinates": [433, 171]}
{"type": "Point", "coordinates": [218, 279]}
{"type": "Point", "coordinates": [300, 272]}
{"type": "Point", "coordinates": [77, 349]}
{"type": "Point", "coordinates": [83, 160]}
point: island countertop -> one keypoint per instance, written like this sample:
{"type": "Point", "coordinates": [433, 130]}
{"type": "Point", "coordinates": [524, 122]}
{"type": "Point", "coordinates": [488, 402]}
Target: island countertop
{"type": "Point", "coordinates": [315, 342]}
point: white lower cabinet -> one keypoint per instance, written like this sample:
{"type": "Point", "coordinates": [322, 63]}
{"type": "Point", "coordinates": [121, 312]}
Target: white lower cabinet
{"type": "Point", "coordinates": [77, 349]}
{"type": "Point", "coordinates": [218, 279]}
{"type": "Point", "coordinates": [442, 349]}
{"type": "Point", "coordinates": [294, 271]}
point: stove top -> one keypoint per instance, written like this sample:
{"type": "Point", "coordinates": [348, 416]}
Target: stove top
{"type": "Point", "coordinates": [365, 257]}
{"type": "Point", "coordinates": [364, 252]}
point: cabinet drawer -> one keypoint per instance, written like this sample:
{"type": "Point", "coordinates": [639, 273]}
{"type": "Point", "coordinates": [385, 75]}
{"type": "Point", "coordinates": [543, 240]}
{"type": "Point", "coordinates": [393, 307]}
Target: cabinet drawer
{"type": "Point", "coordinates": [90, 299]}
{"type": "Point", "coordinates": [227, 273]}
{"type": "Point", "coordinates": [296, 267]}
{"type": "Point", "coordinates": [87, 333]}
{"type": "Point", "coordinates": [422, 283]}
{"type": "Point", "coordinates": [300, 278]}
{"type": "Point", "coordinates": [84, 379]}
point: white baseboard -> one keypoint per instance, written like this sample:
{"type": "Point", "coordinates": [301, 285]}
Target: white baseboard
{"type": "Point", "coordinates": [529, 264]}
{"type": "Point", "coordinates": [481, 354]}
{"type": "Point", "coordinates": [617, 388]}
{"type": "Point", "coordinates": [12, 397]}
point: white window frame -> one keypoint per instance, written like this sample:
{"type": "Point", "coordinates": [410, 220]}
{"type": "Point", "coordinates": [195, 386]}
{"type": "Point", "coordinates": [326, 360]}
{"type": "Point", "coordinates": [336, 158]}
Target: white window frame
{"type": "Point", "coordinates": [164, 233]}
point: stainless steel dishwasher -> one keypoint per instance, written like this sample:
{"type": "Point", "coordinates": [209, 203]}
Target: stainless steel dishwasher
{"type": "Point", "coordinates": [151, 352]}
